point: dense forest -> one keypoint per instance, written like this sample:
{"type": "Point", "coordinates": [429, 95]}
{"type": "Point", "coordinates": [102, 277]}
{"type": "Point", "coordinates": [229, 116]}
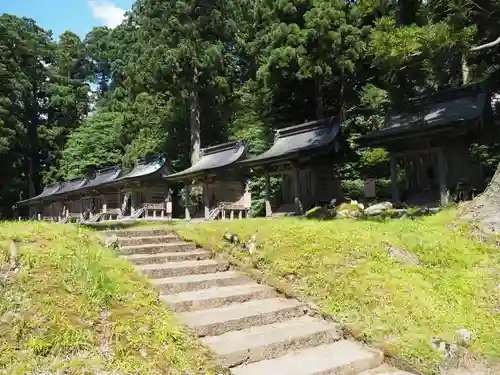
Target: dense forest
{"type": "Point", "coordinates": [178, 75]}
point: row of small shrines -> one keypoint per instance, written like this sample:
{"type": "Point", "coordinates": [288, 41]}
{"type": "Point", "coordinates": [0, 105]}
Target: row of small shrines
{"type": "Point", "coordinates": [429, 142]}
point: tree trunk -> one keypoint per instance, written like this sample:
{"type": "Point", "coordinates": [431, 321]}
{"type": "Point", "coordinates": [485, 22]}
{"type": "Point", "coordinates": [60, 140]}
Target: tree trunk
{"type": "Point", "coordinates": [33, 154]}
{"type": "Point", "coordinates": [465, 70]}
{"type": "Point", "coordinates": [195, 123]}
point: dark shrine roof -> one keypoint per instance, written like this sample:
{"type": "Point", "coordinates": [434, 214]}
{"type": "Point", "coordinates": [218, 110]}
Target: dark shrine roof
{"type": "Point", "coordinates": [72, 185]}
{"type": "Point", "coordinates": [104, 176]}
{"type": "Point", "coordinates": [48, 191]}
{"type": "Point", "coordinates": [299, 138]}
{"type": "Point", "coordinates": [145, 167]}
{"type": "Point", "coordinates": [213, 158]}
{"type": "Point", "coordinates": [431, 113]}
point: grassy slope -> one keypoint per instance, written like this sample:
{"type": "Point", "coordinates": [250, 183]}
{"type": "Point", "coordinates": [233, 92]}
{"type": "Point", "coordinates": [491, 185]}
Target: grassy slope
{"type": "Point", "coordinates": [53, 312]}
{"type": "Point", "coordinates": [344, 267]}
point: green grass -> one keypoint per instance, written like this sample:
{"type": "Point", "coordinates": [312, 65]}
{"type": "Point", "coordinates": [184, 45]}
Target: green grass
{"type": "Point", "coordinates": [344, 267]}
{"type": "Point", "coordinates": [75, 306]}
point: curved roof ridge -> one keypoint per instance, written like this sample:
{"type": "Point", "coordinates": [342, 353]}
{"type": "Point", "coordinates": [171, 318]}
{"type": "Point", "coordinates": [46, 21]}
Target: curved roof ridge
{"type": "Point", "coordinates": [145, 166]}
{"type": "Point", "coordinates": [221, 147]}
{"type": "Point", "coordinates": [295, 139]}
{"type": "Point", "coordinates": [219, 156]}
{"type": "Point", "coordinates": [305, 127]}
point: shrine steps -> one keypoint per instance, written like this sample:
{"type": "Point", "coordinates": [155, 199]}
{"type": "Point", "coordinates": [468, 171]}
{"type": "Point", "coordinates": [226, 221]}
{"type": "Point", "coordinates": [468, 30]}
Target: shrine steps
{"type": "Point", "coordinates": [250, 327]}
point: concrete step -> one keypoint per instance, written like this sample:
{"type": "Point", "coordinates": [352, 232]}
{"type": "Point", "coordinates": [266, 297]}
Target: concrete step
{"type": "Point", "coordinates": [217, 297]}
{"type": "Point", "coordinates": [122, 233]}
{"type": "Point", "coordinates": [147, 240]}
{"type": "Point", "coordinates": [169, 247]}
{"type": "Point", "coordinates": [171, 285]}
{"type": "Point", "coordinates": [271, 341]}
{"type": "Point", "coordinates": [188, 267]}
{"type": "Point", "coordinates": [340, 358]}
{"type": "Point", "coordinates": [385, 370]}
{"type": "Point", "coordinates": [213, 322]}
{"type": "Point", "coordinates": [139, 259]}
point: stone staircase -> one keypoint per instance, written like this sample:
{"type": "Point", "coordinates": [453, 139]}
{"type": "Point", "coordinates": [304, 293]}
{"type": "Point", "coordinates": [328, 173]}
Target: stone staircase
{"type": "Point", "coordinates": [252, 329]}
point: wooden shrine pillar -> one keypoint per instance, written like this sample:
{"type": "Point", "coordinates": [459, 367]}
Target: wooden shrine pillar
{"type": "Point", "coordinates": [187, 200]}
{"type": "Point", "coordinates": [206, 200]}
{"type": "Point", "coordinates": [297, 200]}
{"type": "Point", "coordinates": [394, 179]}
{"type": "Point", "coordinates": [104, 203]}
{"type": "Point", "coordinates": [82, 208]}
{"type": "Point", "coordinates": [133, 202]}
{"type": "Point", "coordinates": [442, 174]}
{"type": "Point", "coordinates": [168, 205]}
{"type": "Point", "coordinates": [267, 198]}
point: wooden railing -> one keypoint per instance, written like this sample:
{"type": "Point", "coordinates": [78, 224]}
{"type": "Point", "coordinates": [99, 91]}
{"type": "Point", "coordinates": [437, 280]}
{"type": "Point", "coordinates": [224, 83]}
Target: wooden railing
{"type": "Point", "coordinates": [224, 209]}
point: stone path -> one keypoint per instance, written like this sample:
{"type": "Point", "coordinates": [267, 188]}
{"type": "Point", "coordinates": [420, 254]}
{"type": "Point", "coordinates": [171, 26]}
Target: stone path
{"type": "Point", "coordinates": [252, 329]}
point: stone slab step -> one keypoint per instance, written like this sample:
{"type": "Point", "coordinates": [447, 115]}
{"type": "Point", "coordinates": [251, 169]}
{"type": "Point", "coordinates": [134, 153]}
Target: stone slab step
{"type": "Point", "coordinates": [139, 259]}
{"type": "Point", "coordinates": [188, 267]}
{"type": "Point", "coordinates": [213, 322]}
{"type": "Point", "coordinates": [216, 297]}
{"type": "Point", "coordinates": [147, 240]}
{"type": "Point", "coordinates": [270, 341]}
{"type": "Point", "coordinates": [385, 369]}
{"type": "Point", "coordinates": [340, 358]}
{"type": "Point", "coordinates": [168, 247]}
{"type": "Point", "coordinates": [171, 285]}
{"type": "Point", "coordinates": [139, 232]}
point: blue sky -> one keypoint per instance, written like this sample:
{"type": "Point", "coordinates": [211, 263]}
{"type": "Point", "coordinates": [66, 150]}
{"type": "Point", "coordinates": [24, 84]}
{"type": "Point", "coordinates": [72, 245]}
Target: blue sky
{"type": "Point", "coordinates": [78, 16]}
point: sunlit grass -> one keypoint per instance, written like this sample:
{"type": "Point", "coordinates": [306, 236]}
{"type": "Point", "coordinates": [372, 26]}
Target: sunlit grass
{"type": "Point", "coordinates": [344, 267]}
{"type": "Point", "coordinates": [76, 306]}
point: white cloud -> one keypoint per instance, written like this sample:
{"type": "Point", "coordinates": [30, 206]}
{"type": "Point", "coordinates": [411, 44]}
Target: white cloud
{"type": "Point", "coordinates": [111, 14]}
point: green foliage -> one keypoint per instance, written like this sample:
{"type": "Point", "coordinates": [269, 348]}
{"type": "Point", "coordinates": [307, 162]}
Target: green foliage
{"type": "Point", "coordinates": [94, 144]}
{"type": "Point", "coordinates": [354, 188]}
{"type": "Point", "coordinates": [176, 75]}
{"type": "Point", "coordinates": [257, 188]}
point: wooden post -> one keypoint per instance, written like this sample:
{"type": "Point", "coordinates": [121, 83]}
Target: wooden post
{"type": "Point", "coordinates": [240, 215]}
{"type": "Point", "coordinates": [269, 210]}
{"type": "Point", "coordinates": [394, 180]}
{"type": "Point", "coordinates": [132, 202]}
{"type": "Point", "coordinates": [297, 200]}
{"type": "Point", "coordinates": [206, 201]}
{"type": "Point", "coordinates": [120, 202]}
{"type": "Point", "coordinates": [187, 200]}
{"type": "Point", "coordinates": [168, 207]}
{"type": "Point", "coordinates": [442, 173]}
{"type": "Point", "coordinates": [232, 215]}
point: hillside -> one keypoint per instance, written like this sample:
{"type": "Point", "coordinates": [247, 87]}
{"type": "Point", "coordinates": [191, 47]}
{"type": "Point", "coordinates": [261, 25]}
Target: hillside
{"type": "Point", "coordinates": [400, 284]}
{"type": "Point", "coordinates": [74, 306]}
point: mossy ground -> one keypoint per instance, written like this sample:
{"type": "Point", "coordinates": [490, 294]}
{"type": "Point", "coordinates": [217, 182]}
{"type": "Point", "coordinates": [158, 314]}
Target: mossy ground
{"type": "Point", "coordinates": [345, 268]}
{"type": "Point", "coordinates": [76, 307]}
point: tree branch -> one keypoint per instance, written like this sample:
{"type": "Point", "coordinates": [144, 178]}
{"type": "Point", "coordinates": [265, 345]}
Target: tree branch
{"type": "Point", "coordinates": [486, 45]}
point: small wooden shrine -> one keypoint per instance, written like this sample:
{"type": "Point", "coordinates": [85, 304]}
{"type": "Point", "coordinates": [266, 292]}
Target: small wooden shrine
{"type": "Point", "coordinates": [305, 156]}
{"type": "Point", "coordinates": [224, 189]}
{"type": "Point", "coordinates": [429, 139]}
